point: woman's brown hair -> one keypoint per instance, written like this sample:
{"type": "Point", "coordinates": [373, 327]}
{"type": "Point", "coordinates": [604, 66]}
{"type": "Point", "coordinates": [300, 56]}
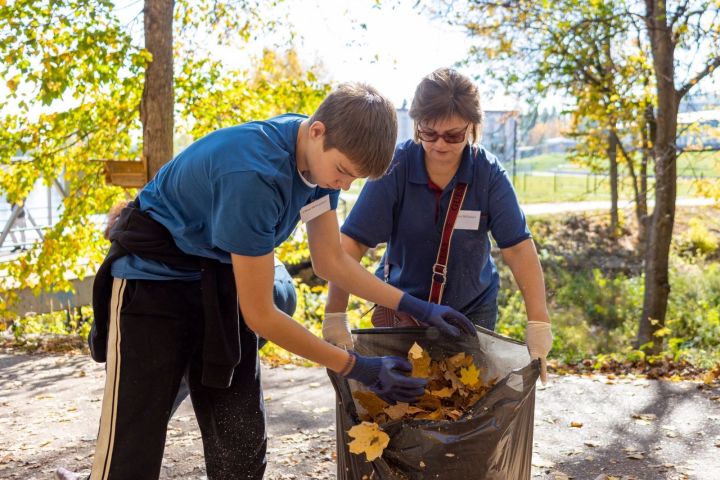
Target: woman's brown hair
{"type": "Point", "coordinates": [443, 94]}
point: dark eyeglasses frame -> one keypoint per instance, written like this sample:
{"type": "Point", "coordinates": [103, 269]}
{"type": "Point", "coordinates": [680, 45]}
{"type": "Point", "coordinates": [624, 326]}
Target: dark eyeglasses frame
{"type": "Point", "coordinates": [431, 137]}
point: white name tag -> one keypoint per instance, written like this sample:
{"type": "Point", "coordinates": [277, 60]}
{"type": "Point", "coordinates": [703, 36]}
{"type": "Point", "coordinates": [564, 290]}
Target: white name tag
{"type": "Point", "coordinates": [315, 209]}
{"type": "Point", "coordinates": [468, 220]}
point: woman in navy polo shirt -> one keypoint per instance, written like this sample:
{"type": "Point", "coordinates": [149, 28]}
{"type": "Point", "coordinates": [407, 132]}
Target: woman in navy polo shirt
{"type": "Point", "coordinates": [407, 207]}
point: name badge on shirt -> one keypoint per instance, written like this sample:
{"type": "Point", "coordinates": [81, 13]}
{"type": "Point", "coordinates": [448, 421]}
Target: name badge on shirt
{"type": "Point", "coordinates": [315, 209]}
{"type": "Point", "coordinates": [468, 220]}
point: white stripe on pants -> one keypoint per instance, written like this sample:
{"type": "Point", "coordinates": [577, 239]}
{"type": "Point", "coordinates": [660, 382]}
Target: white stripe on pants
{"type": "Point", "coordinates": [108, 416]}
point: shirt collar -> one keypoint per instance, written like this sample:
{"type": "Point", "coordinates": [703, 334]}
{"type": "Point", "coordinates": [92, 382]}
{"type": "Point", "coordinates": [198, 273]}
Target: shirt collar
{"type": "Point", "coordinates": [418, 173]}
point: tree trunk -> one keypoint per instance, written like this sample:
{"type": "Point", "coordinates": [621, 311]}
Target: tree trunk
{"type": "Point", "coordinates": [657, 285]}
{"type": "Point", "coordinates": [639, 186]}
{"type": "Point", "coordinates": [157, 104]}
{"type": "Point", "coordinates": [648, 138]}
{"type": "Point", "coordinates": [612, 155]}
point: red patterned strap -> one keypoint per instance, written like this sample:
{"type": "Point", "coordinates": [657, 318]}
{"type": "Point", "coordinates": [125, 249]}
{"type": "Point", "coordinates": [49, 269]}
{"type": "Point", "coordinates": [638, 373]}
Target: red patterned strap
{"type": "Point", "coordinates": [439, 273]}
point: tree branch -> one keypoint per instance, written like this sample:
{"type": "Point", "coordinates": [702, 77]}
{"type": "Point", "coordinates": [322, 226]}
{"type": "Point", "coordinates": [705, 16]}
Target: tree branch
{"type": "Point", "coordinates": [712, 65]}
{"type": "Point", "coordinates": [679, 12]}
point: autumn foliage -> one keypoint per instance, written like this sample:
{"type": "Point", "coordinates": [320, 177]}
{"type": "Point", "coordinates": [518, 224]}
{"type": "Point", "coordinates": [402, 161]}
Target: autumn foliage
{"type": "Point", "coordinates": [455, 384]}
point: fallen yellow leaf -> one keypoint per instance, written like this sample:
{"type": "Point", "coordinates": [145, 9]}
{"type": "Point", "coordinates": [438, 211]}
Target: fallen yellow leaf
{"type": "Point", "coordinates": [415, 352]}
{"type": "Point", "coordinates": [368, 439]}
{"type": "Point", "coordinates": [397, 411]}
{"type": "Point", "coordinates": [456, 361]}
{"type": "Point", "coordinates": [436, 415]}
{"type": "Point", "coordinates": [373, 404]}
{"type": "Point", "coordinates": [420, 361]}
{"type": "Point", "coordinates": [443, 392]}
{"type": "Point", "coordinates": [470, 376]}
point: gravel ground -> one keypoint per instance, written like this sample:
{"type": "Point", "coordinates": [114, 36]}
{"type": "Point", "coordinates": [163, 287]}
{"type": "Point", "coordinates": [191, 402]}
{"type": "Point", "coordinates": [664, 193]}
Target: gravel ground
{"type": "Point", "coordinates": [625, 428]}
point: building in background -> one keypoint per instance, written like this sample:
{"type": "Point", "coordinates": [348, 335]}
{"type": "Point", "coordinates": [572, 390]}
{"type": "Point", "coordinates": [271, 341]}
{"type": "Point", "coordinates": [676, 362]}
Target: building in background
{"type": "Point", "coordinates": [499, 131]}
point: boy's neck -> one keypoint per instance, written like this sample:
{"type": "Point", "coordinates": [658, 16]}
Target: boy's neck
{"type": "Point", "coordinates": [301, 151]}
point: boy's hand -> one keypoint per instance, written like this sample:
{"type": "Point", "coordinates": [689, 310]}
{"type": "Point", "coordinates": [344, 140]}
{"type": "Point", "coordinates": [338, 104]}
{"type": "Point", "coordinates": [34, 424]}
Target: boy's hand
{"type": "Point", "coordinates": [445, 319]}
{"type": "Point", "coordinates": [383, 375]}
{"type": "Point", "coordinates": [538, 338]}
{"type": "Point", "coordinates": [336, 330]}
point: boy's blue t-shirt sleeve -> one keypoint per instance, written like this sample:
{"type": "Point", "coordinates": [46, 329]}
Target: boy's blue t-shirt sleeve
{"type": "Point", "coordinates": [506, 219]}
{"type": "Point", "coordinates": [334, 196]}
{"type": "Point", "coordinates": [244, 223]}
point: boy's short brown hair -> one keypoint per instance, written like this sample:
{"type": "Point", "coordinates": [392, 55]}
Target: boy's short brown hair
{"type": "Point", "coordinates": [443, 94]}
{"type": "Point", "coordinates": [362, 124]}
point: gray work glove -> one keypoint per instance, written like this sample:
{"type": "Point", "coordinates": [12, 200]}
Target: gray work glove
{"type": "Point", "coordinates": [336, 330]}
{"type": "Point", "coordinates": [538, 338]}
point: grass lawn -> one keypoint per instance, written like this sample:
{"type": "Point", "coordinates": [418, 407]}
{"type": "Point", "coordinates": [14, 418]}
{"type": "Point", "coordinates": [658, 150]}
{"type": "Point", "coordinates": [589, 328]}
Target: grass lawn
{"type": "Point", "coordinates": [691, 164]}
{"type": "Point", "coordinates": [535, 181]}
{"type": "Point", "coordinates": [579, 188]}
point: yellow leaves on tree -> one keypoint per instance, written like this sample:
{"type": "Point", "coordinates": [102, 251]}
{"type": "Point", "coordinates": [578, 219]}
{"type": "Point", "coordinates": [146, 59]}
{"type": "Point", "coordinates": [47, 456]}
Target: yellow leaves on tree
{"type": "Point", "coordinates": [368, 439]}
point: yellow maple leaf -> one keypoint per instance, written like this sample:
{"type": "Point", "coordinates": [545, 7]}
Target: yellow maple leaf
{"type": "Point", "coordinates": [456, 360]}
{"type": "Point", "coordinates": [397, 411]}
{"type": "Point", "coordinates": [434, 415]}
{"type": "Point", "coordinates": [470, 376]}
{"type": "Point", "coordinates": [428, 402]}
{"type": "Point", "coordinates": [368, 439]}
{"type": "Point", "coordinates": [420, 361]}
{"type": "Point", "coordinates": [416, 351]}
{"type": "Point", "coordinates": [443, 392]}
{"type": "Point", "coordinates": [452, 413]}
{"type": "Point", "coordinates": [372, 404]}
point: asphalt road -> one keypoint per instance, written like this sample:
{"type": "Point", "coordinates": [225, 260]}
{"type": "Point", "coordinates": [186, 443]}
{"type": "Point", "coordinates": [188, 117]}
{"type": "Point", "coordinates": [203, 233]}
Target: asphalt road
{"type": "Point", "coordinates": [630, 428]}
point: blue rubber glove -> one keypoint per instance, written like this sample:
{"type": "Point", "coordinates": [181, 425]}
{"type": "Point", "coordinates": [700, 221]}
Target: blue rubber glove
{"type": "Point", "coordinates": [383, 375]}
{"type": "Point", "coordinates": [445, 319]}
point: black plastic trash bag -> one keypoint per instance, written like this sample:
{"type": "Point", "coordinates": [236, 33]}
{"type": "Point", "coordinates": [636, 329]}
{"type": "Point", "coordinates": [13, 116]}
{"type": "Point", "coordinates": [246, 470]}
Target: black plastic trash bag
{"type": "Point", "coordinates": [493, 440]}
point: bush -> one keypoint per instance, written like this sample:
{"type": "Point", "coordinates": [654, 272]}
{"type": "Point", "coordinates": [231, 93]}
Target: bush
{"type": "Point", "coordinates": [29, 331]}
{"type": "Point", "coordinates": [698, 239]}
{"type": "Point", "coordinates": [595, 313]}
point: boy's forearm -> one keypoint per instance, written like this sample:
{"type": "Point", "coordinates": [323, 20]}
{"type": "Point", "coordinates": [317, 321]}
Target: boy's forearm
{"type": "Point", "coordinates": [293, 337]}
{"type": "Point", "coordinates": [254, 278]}
{"type": "Point", "coordinates": [527, 271]}
{"type": "Point", "coordinates": [348, 275]}
{"type": "Point", "coordinates": [334, 265]}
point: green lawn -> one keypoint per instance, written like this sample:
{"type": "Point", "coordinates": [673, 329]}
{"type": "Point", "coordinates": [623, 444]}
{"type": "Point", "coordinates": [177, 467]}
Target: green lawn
{"type": "Point", "coordinates": [699, 164]}
{"type": "Point", "coordinates": [692, 164]}
{"type": "Point", "coordinates": [578, 188]}
{"type": "Point", "coordinates": [544, 163]}
{"type": "Point", "coordinates": [534, 187]}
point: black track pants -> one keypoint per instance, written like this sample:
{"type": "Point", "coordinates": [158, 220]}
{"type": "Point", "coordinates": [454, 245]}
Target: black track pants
{"type": "Point", "coordinates": [155, 338]}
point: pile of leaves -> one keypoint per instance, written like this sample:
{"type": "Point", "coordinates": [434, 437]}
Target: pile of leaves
{"type": "Point", "coordinates": [455, 384]}
{"type": "Point", "coordinates": [653, 367]}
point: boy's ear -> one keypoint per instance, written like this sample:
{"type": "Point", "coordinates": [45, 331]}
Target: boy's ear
{"type": "Point", "coordinates": [316, 130]}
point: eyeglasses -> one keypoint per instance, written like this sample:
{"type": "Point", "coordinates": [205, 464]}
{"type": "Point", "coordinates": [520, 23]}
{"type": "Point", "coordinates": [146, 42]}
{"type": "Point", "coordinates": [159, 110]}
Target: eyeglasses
{"type": "Point", "coordinates": [457, 136]}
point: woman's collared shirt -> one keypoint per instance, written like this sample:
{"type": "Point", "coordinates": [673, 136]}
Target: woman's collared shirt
{"type": "Point", "coordinates": [400, 208]}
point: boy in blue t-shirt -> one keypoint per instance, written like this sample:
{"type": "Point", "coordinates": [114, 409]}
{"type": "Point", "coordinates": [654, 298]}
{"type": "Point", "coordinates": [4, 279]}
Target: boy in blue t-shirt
{"type": "Point", "coordinates": [187, 286]}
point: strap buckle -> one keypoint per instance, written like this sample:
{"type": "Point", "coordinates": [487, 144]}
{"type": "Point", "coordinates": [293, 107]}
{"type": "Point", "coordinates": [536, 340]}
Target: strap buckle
{"type": "Point", "coordinates": [439, 275]}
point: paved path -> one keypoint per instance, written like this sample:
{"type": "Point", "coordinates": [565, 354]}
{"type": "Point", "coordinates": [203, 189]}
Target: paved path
{"type": "Point", "coordinates": [49, 408]}
{"type": "Point", "coordinates": [574, 207]}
